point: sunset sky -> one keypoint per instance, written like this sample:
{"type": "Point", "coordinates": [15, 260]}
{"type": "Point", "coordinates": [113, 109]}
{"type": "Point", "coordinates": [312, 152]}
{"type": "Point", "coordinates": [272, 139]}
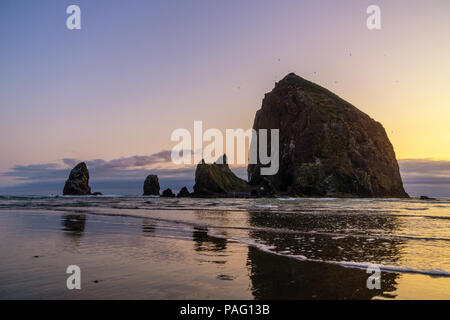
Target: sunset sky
{"type": "Point", "coordinates": [137, 70]}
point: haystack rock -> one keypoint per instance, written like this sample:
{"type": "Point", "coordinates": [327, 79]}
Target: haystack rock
{"type": "Point", "coordinates": [218, 180]}
{"type": "Point", "coordinates": [151, 186]}
{"type": "Point", "coordinates": [78, 182]}
{"type": "Point", "coordinates": [327, 146]}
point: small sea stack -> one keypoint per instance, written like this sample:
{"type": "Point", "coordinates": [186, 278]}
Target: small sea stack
{"type": "Point", "coordinates": [426, 198]}
{"type": "Point", "coordinates": [184, 193]}
{"type": "Point", "coordinates": [78, 182]}
{"type": "Point", "coordinates": [168, 193]}
{"type": "Point", "coordinates": [151, 186]}
{"type": "Point", "coordinates": [217, 179]}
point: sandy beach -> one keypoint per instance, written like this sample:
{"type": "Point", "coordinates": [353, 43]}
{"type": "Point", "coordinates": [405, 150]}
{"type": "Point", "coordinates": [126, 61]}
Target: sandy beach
{"type": "Point", "coordinates": [152, 255]}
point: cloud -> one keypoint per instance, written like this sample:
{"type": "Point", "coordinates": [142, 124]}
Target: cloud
{"type": "Point", "coordinates": [46, 171]}
{"type": "Point", "coordinates": [124, 168]}
{"type": "Point", "coordinates": [426, 177]}
{"type": "Point", "coordinates": [425, 165]}
{"type": "Point", "coordinates": [118, 176]}
{"type": "Point", "coordinates": [425, 171]}
{"type": "Point", "coordinates": [124, 163]}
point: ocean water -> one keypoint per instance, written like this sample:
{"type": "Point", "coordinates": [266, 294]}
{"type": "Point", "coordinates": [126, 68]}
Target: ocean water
{"type": "Point", "coordinates": [268, 245]}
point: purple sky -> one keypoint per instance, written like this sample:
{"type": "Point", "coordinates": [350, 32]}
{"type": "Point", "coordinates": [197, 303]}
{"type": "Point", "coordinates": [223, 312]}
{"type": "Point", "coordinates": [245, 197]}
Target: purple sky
{"type": "Point", "coordinates": [137, 70]}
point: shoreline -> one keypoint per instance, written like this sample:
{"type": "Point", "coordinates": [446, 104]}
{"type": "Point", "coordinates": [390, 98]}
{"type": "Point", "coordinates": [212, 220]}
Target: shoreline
{"type": "Point", "coordinates": [267, 274]}
{"type": "Point", "coordinates": [281, 197]}
{"type": "Point", "coordinates": [346, 264]}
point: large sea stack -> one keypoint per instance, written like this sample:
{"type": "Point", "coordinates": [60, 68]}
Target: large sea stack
{"type": "Point", "coordinates": [78, 182]}
{"type": "Point", "coordinates": [327, 146]}
{"type": "Point", "coordinates": [218, 180]}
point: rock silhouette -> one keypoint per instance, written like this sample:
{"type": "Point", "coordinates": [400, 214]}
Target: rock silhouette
{"type": "Point", "coordinates": [78, 182]}
{"type": "Point", "coordinates": [184, 192]}
{"type": "Point", "coordinates": [327, 146]}
{"type": "Point", "coordinates": [426, 198]}
{"type": "Point", "coordinates": [217, 180]}
{"type": "Point", "coordinates": [168, 193]}
{"type": "Point", "coordinates": [151, 186]}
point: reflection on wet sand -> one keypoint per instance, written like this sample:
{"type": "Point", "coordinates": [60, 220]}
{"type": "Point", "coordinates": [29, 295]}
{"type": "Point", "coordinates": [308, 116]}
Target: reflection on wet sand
{"type": "Point", "coordinates": [148, 227]}
{"type": "Point", "coordinates": [204, 242]}
{"type": "Point", "coordinates": [159, 257]}
{"type": "Point", "coordinates": [311, 236]}
{"type": "Point", "coordinates": [73, 224]}
{"type": "Point", "coordinates": [210, 249]}
{"type": "Point", "coordinates": [276, 277]}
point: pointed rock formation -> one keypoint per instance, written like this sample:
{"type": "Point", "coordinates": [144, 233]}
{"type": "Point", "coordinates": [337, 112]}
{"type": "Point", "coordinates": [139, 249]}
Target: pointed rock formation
{"type": "Point", "coordinates": [78, 182]}
{"type": "Point", "coordinates": [168, 193]}
{"type": "Point", "coordinates": [151, 186]}
{"type": "Point", "coordinates": [327, 146]}
{"type": "Point", "coordinates": [184, 193]}
{"type": "Point", "coordinates": [218, 180]}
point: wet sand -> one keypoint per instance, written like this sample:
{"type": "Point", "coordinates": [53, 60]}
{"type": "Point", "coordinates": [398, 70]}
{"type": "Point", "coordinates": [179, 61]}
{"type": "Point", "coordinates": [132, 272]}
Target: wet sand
{"type": "Point", "coordinates": [132, 258]}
